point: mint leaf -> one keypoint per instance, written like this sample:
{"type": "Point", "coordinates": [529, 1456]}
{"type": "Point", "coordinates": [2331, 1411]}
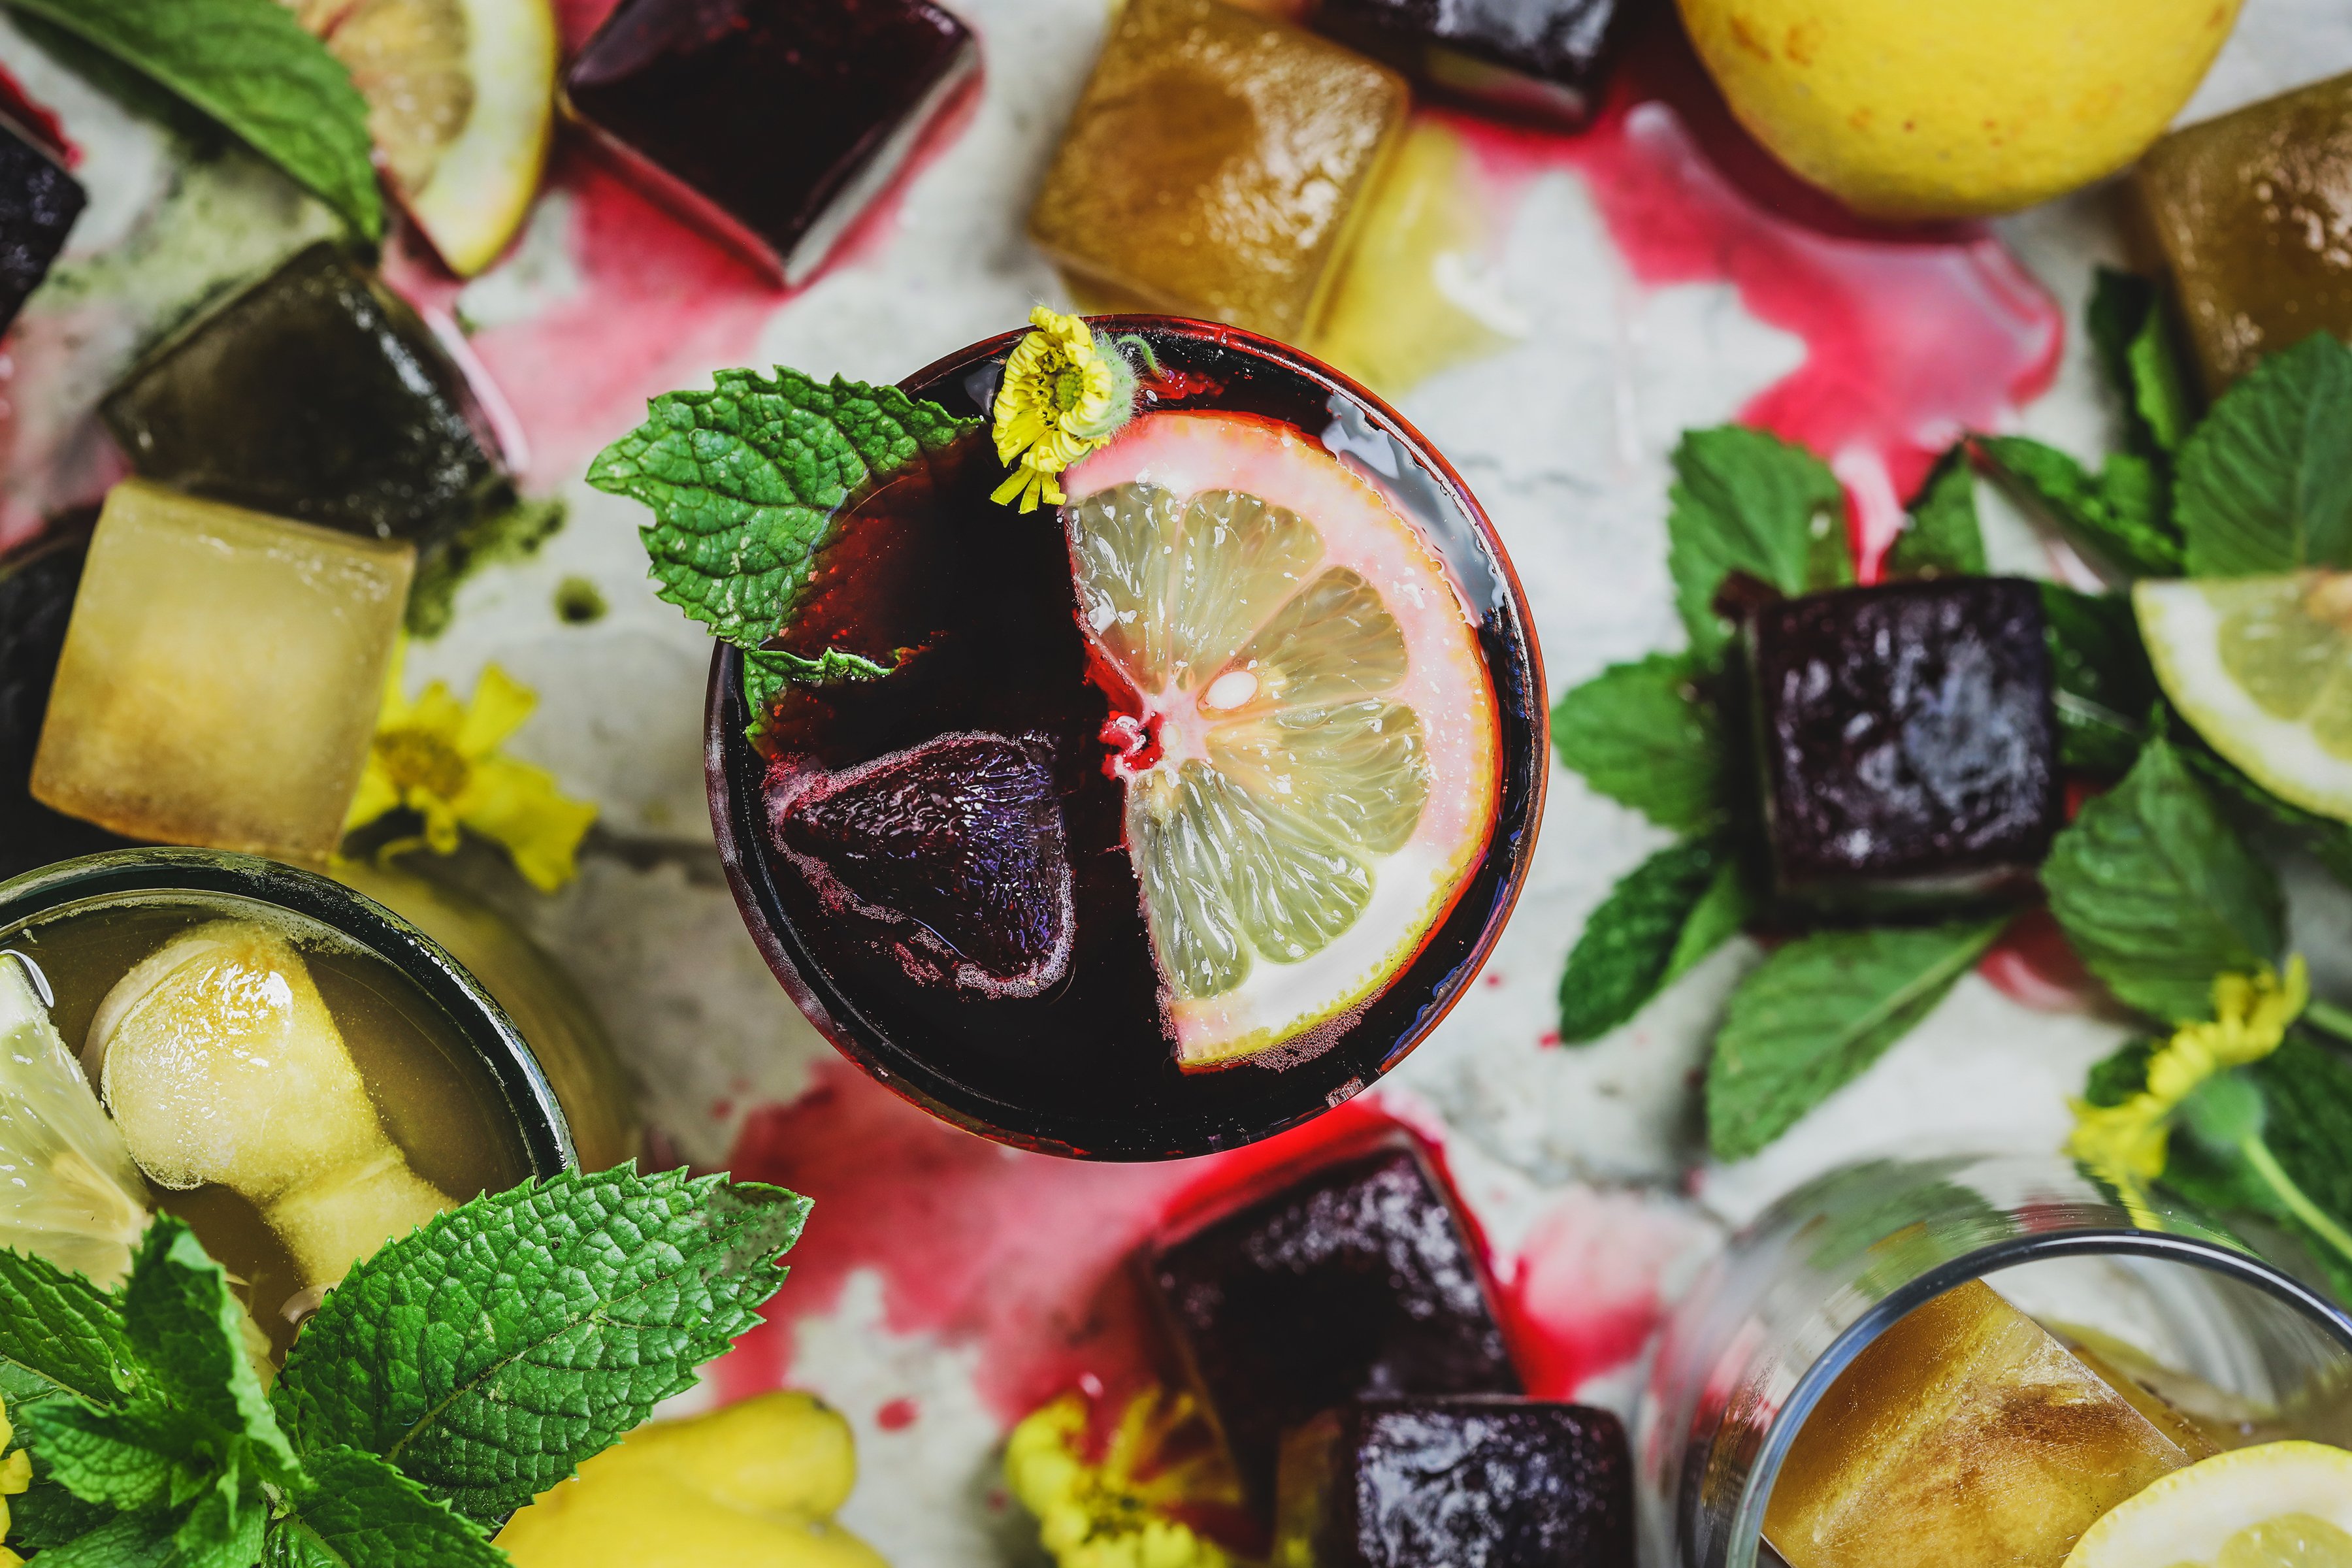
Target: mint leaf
{"type": "Point", "coordinates": [490, 1353]}
{"type": "Point", "coordinates": [2129, 328]}
{"type": "Point", "coordinates": [1630, 940]}
{"type": "Point", "coordinates": [126, 1541]}
{"type": "Point", "coordinates": [363, 1513]}
{"type": "Point", "coordinates": [1943, 538]}
{"type": "Point", "coordinates": [2266, 480]}
{"type": "Point", "coordinates": [1818, 1012]}
{"type": "Point", "coordinates": [1722, 912]}
{"type": "Point", "coordinates": [2325, 839]}
{"type": "Point", "coordinates": [185, 1325]}
{"type": "Point", "coordinates": [1747, 501]}
{"type": "Point", "coordinates": [767, 671]}
{"type": "Point", "coordinates": [2157, 893]}
{"type": "Point", "coordinates": [250, 66]}
{"type": "Point", "coordinates": [58, 1332]}
{"type": "Point", "coordinates": [2102, 682]}
{"type": "Point", "coordinates": [226, 1527]}
{"type": "Point", "coordinates": [745, 482]}
{"type": "Point", "coordinates": [103, 1456]}
{"type": "Point", "coordinates": [1640, 735]}
{"type": "Point", "coordinates": [2119, 517]}
{"type": "Point", "coordinates": [2116, 1078]}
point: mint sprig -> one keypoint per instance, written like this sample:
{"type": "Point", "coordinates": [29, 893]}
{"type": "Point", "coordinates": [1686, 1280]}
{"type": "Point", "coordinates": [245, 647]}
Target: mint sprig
{"type": "Point", "coordinates": [2119, 517]}
{"type": "Point", "coordinates": [248, 65]}
{"type": "Point", "coordinates": [1942, 537]}
{"type": "Point", "coordinates": [2142, 356]}
{"type": "Point", "coordinates": [1745, 500]}
{"type": "Point", "coordinates": [360, 1511]}
{"type": "Point", "coordinates": [2266, 480]}
{"type": "Point", "coordinates": [1642, 735]}
{"type": "Point", "coordinates": [1659, 920]}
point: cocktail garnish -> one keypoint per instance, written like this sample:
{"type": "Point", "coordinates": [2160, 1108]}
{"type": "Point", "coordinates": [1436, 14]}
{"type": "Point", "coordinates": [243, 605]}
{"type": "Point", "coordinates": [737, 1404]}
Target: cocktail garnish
{"type": "Point", "coordinates": [1063, 396]}
{"type": "Point", "coordinates": [1123, 1504]}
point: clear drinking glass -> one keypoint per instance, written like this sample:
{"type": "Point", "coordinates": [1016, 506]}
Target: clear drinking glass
{"type": "Point", "coordinates": [1799, 1293]}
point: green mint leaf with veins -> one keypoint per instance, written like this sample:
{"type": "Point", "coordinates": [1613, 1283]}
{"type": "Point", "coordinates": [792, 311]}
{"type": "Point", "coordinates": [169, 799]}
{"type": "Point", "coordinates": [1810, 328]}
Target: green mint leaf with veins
{"type": "Point", "coordinates": [1640, 734]}
{"type": "Point", "coordinates": [59, 1333]}
{"type": "Point", "coordinates": [248, 65]}
{"type": "Point", "coordinates": [1747, 501]}
{"type": "Point", "coordinates": [362, 1513]}
{"type": "Point", "coordinates": [2104, 685]}
{"type": "Point", "coordinates": [2142, 358]}
{"type": "Point", "coordinates": [1943, 538]}
{"type": "Point", "coordinates": [1628, 949]}
{"type": "Point", "coordinates": [2120, 518]}
{"type": "Point", "coordinates": [2159, 893]}
{"type": "Point", "coordinates": [490, 1351]}
{"type": "Point", "coordinates": [125, 1541]}
{"type": "Point", "coordinates": [2266, 480]}
{"type": "Point", "coordinates": [121, 1461]}
{"type": "Point", "coordinates": [2325, 839]}
{"type": "Point", "coordinates": [186, 1328]}
{"type": "Point", "coordinates": [746, 481]}
{"type": "Point", "coordinates": [767, 671]}
{"type": "Point", "coordinates": [1816, 1013]}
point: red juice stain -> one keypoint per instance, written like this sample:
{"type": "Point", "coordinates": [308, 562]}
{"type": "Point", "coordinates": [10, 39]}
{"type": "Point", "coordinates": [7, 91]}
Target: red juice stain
{"type": "Point", "coordinates": [1583, 1295]}
{"type": "Point", "coordinates": [897, 1415]}
{"type": "Point", "coordinates": [36, 117]}
{"type": "Point", "coordinates": [2034, 964]}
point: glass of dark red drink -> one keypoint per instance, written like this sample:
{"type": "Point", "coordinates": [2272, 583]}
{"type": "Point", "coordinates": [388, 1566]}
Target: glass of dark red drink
{"type": "Point", "coordinates": [1188, 806]}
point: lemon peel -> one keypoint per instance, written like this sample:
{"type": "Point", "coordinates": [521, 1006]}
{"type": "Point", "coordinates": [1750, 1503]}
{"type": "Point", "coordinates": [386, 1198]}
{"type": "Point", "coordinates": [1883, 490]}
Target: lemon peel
{"type": "Point", "coordinates": [439, 758]}
{"type": "Point", "coordinates": [1115, 1511]}
{"type": "Point", "coordinates": [1063, 396]}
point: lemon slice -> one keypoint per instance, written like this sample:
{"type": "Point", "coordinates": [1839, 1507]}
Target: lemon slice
{"type": "Point", "coordinates": [2263, 667]}
{"type": "Point", "coordinates": [1313, 773]}
{"type": "Point", "coordinates": [78, 1199]}
{"type": "Point", "coordinates": [460, 95]}
{"type": "Point", "coordinates": [2281, 1505]}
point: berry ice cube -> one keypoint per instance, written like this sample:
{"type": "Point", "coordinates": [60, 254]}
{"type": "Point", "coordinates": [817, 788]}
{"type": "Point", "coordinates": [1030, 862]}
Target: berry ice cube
{"type": "Point", "coordinates": [39, 202]}
{"type": "Point", "coordinates": [1213, 166]}
{"type": "Point", "coordinates": [953, 850]}
{"type": "Point", "coordinates": [1966, 1433]}
{"type": "Point", "coordinates": [1356, 1281]}
{"type": "Point", "coordinates": [36, 594]}
{"type": "Point", "coordinates": [318, 394]}
{"type": "Point", "coordinates": [220, 676]}
{"type": "Point", "coordinates": [776, 122]}
{"type": "Point", "coordinates": [2250, 211]}
{"type": "Point", "coordinates": [1537, 59]}
{"type": "Point", "coordinates": [1909, 743]}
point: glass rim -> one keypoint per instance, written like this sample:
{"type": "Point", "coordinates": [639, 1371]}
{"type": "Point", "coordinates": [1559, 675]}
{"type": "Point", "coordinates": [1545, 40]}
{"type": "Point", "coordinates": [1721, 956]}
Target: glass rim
{"type": "Point", "coordinates": [472, 1011]}
{"type": "Point", "coordinates": [1745, 1535]}
{"type": "Point", "coordinates": [734, 823]}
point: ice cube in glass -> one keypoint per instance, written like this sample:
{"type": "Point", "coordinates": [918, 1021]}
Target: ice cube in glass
{"type": "Point", "coordinates": [1965, 1434]}
{"type": "Point", "coordinates": [220, 676]}
{"type": "Point", "coordinates": [1214, 165]}
{"type": "Point", "coordinates": [1534, 59]}
{"type": "Point", "coordinates": [318, 394]}
{"type": "Point", "coordinates": [39, 202]}
{"type": "Point", "coordinates": [776, 122]}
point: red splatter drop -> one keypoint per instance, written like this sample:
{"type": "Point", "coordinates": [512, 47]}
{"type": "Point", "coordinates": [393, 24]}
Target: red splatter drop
{"type": "Point", "coordinates": [1548, 1039]}
{"type": "Point", "coordinates": [36, 117]}
{"type": "Point", "coordinates": [2033, 965]}
{"type": "Point", "coordinates": [1583, 1295]}
{"type": "Point", "coordinates": [897, 1415]}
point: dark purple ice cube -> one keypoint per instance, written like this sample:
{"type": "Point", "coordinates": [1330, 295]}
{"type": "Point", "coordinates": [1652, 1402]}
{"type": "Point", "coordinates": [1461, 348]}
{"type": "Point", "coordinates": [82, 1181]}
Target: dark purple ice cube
{"type": "Point", "coordinates": [1537, 59]}
{"type": "Point", "coordinates": [1481, 1482]}
{"type": "Point", "coordinates": [1909, 743]}
{"type": "Point", "coordinates": [37, 581]}
{"type": "Point", "coordinates": [953, 850]}
{"type": "Point", "coordinates": [774, 121]}
{"type": "Point", "coordinates": [39, 202]}
{"type": "Point", "coordinates": [1356, 1280]}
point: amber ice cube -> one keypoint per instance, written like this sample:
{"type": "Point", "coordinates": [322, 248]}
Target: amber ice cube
{"type": "Point", "coordinates": [2250, 212]}
{"type": "Point", "coordinates": [220, 677]}
{"type": "Point", "coordinates": [39, 202]}
{"type": "Point", "coordinates": [1213, 167]}
{"type": "Point", "coordinates": [1965, 1435]}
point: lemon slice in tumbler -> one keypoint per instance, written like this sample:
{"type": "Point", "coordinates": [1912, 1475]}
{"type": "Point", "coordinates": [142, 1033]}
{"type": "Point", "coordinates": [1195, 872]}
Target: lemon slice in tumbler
{"type": "Point", "coordinates": [2281, 1505]}
{"type": "Point", "coordinates": [1313, 775]}
{"type": "Point", "coordinates": [2263, 667]}
{"type": "Point", "coordinates": [76, 1198]}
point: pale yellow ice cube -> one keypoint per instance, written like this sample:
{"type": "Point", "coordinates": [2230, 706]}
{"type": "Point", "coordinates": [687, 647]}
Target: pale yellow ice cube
{"type": "Point", "coordinates": [1964, 1436]}
{"type": "Point", "coordinates": [220, 676]}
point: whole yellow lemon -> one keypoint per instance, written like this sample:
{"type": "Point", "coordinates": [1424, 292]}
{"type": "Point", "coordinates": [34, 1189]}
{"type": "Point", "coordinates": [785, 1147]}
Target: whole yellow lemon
{"type": "Point", "coordinates": [1935, 109]}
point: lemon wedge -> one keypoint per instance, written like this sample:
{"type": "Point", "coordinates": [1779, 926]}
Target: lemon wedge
{"type": "Point", "coordinates": [2281, 1505]}
{"type": "Point", "coordinates": [79, 1201]}
{"type": "Point", "coordinates": [2262, 668]}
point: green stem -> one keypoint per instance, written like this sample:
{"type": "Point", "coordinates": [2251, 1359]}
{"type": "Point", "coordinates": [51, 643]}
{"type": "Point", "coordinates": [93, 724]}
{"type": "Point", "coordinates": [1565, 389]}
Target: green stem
{"type": "Point", "coordinates": [2327, 1015]}
{"type": "Point", "coordinates": [2299, 1203]}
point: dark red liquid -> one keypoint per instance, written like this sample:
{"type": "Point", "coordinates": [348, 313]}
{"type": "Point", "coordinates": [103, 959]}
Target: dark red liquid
{"type": "Point", "coordinates": [983, 595]}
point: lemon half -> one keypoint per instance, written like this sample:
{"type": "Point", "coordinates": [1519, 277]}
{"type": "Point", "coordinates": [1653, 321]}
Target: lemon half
{"type": "Point", "coordinates": [2281, 1505]}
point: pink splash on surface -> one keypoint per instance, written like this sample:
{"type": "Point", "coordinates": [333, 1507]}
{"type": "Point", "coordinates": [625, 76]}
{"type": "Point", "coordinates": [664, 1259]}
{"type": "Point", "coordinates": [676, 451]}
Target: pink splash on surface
{"type": "Point", "coordinates": [896, 1416]}
{"type": "Point", "coordinates": [2035, 966]}
{"type": "Point", "coordinates": [1587, 1287]}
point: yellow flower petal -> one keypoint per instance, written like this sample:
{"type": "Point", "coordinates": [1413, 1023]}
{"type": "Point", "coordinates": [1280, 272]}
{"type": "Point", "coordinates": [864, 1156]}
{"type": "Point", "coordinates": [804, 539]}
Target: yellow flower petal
{"type": "Point", "coordinates": [1111, 1514]}
{"type": "Point", "coordinates": [519, 806]}
{"type": "Point", "coordinates": [501, 704]}
{"type": "Point", "coordinates": [377, 795]}
{"type": "Point", "coordinates": [16, 1475]}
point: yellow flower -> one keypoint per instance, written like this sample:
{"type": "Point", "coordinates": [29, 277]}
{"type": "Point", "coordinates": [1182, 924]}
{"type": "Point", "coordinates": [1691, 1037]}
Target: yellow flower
{"type": "Point", "coordinates": [1114, 1512]}
{"type": "Point", "coordinates": [439, 758]}
{"type": "Point", "coordinates": [16, 1475]}
{"type": "Point", "coordinates": [2128, 1144]}
{"type": "Point", "coordinates": [1063, 396]}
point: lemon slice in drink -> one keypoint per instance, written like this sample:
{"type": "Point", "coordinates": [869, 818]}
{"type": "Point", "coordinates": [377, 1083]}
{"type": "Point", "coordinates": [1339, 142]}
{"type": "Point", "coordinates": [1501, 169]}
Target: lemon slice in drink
{"type": "Point", "coordinates": [460, 97]}
{"type": "Point", "coordinates": [78, 1200]}
{"type": "Point", "coordinates": [1313, 774]}
{"type": "Point", "coordinates": [2263, 667]}
{"type": "Point", "coordinates": [2281, 1505]}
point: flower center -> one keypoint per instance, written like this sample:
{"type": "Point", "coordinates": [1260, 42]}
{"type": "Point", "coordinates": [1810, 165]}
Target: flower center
{"type": "Point", "coordinates": [419, 759]}
{"type": "Point", "coordinates": [1070, 387]}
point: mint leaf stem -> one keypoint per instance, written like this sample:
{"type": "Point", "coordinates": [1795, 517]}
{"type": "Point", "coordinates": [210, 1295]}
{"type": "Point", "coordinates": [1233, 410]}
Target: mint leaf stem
{"type": "Point", "coordinates": [2330, 1019]}
{"type": "Point", "coordinates": [2266, 1165]}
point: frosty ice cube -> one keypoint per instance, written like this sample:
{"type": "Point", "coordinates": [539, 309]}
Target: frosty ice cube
{"type": "Point", "coordinates": [1537, 59]}
{"type": "Point", "coordinates": [1966, 1433]}
{"type": "Point", "coordinates": [39, 202]}
{"type": "Point", "coordinates": [220, 676]}
{"type": "Point", "coordinates": [1213, 166]}
{"type": "Point", "coordinates": [1416, 1483]}
{"type": "Point", "coordinates": [774, 121]}
{"type": "Point", "coordinates": [2251, 213]}
{"type": "Point", "coordinates": [317, 394]}
{"type": "Point", "coordinates": [1354, 1282]}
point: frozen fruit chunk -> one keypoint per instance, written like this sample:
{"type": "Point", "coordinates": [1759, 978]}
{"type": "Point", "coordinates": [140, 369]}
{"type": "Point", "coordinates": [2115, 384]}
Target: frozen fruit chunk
{"type": "Point", "coordinates": [1909, 743]}
{"type": "Point", "coordinates": [1963, 1433]}
{"type": "Point", "coordinates": [1214, 165]}
{"type": "Point", "coordinates": [1354, 1282]}
{"type": "Point", "coordinates": [2250, 211]}
{"type": "Point", "coordinates": [39, 202]}
{"type": "Point", "coordinates": [955, 848]}
{"type": "Point", "coordinates": [1540, 60]}
{"type": "Point", "coordinates": [36, 594]}
{"type": "Point", "coordinates": [1415, 1483]}
{"type": "Point", "coordinates": [220, 676]}
{"type": "Point", "coordinates": [316, 393]}
{"type": "Point", "coordinates": [774, 121]}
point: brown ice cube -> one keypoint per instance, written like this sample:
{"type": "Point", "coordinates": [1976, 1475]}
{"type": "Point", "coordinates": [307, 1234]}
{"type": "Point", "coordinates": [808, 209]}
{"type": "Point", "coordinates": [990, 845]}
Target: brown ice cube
{"type": "Point", "coordinates": [1965, 1435]}
{"type": "Point", "coordinates": [1214, 165]}
{"type": "Point", "coordinates": [2250, 212]}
